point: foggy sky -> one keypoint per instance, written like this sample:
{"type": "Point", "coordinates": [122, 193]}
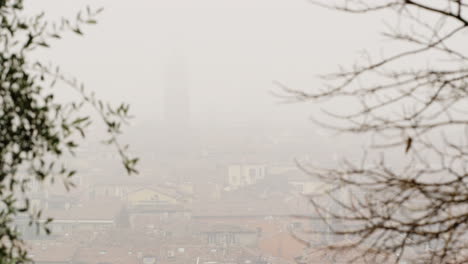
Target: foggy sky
{"type": "Point", "coordinates": [234, 51]}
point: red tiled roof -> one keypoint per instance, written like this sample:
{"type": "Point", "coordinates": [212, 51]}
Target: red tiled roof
{"type": "Point", "coordinates": [257, 208]}
{"type": "Point", "coordinates": [114, 255]}
{"type": "Point", "coordinates": [325, 255]}
{"type": "Point", "coordinates": [282, 245]}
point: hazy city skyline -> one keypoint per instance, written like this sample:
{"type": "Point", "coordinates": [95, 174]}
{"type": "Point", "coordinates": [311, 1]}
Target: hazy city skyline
{"type": "Point", "coordinates": [233, 167]}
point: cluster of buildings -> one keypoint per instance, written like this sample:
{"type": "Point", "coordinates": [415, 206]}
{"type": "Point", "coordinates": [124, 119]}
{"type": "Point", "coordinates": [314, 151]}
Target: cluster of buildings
{"type": "Point", "coordinates": [190, 203]}
{"type": "Point", "coordinates": [251, 215]}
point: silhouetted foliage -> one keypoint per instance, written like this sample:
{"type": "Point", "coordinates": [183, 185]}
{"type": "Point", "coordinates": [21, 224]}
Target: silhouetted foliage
{"type": "Point", "coordinates": [413, 107]}
{"type": "Point", "coordinates": [36, 130]}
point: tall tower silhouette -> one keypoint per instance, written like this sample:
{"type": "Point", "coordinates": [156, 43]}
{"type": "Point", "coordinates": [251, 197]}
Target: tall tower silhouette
{"type": "Point", "coordinates": [176, 105]}
{"type": "Point", "coordinates": [176, 96]}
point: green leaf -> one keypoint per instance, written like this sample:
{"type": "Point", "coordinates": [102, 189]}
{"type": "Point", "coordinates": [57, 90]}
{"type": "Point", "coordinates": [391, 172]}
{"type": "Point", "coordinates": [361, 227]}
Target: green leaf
{"type": "Point", "coordinates": [78, 31]}
{"type": "Point", "coordinates": [43, 44]}
{"type": "Point", "coordinates": [80, 120]}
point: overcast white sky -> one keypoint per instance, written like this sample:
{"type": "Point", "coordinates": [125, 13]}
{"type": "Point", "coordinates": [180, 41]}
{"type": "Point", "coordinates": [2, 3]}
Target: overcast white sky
{"type": "Point", "coordinates": [234, 51]}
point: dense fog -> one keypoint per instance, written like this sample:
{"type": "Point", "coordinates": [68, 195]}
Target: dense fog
{"type": "Point", "coordinates": [218, 145]}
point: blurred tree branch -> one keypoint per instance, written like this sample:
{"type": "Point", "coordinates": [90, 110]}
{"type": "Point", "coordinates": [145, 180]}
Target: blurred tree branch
{"type": "Point", "coordinates": [415, 209]}
{"type": "Point", "coordinates": [36, 129]}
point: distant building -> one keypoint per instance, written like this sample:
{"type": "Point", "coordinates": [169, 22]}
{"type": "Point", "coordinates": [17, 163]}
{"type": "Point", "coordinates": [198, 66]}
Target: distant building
{"type": "Point", "coordinates": [243, 175]}
{"type": "Point", "coordinates": [176, 107]}
{"type": "Point", "coordinates": [152, 196]}
{"type": "Point", "coordinates": [69, 219]}
{"type": "Point", "coordinates": [227, 235]}
{"type": "Point", "coordinates": [176, 96]}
